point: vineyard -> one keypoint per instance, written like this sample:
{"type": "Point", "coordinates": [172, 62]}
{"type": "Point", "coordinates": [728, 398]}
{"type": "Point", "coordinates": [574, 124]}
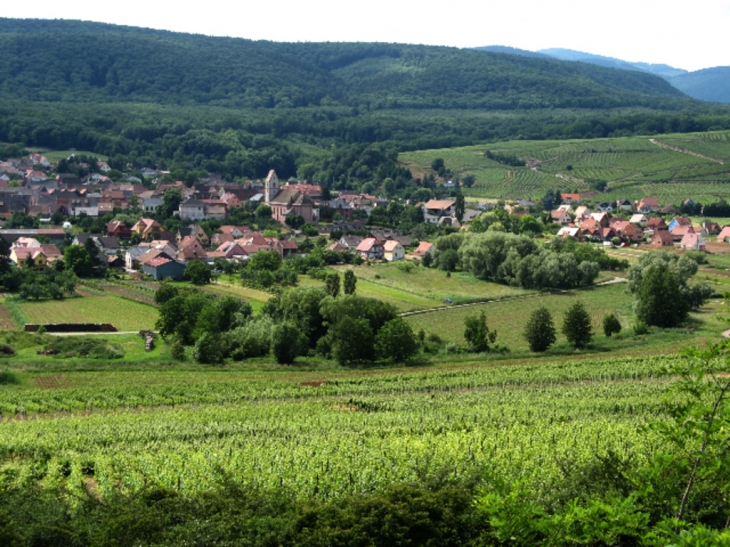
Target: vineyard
{"type": "Point", "coordinates": [349, 434]}
{"type": "Point", "coordinates": [633, 167]}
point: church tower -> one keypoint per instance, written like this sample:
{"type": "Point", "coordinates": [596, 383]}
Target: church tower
{"type": "Point", "coordinates": [272, 187]}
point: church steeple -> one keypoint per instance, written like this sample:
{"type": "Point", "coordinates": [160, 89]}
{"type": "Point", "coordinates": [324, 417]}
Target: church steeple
{"type": "Point", "coordinates": [272, 186]}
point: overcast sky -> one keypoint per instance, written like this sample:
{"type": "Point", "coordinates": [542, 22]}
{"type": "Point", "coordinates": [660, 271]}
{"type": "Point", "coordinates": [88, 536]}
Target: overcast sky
{"type": "Point", "coordinates": [684, 34]}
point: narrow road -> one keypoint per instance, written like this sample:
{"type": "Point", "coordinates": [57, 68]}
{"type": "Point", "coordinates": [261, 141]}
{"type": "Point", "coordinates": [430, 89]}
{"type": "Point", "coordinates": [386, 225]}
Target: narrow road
{"type": "Point", "coordinates": [685, 151]}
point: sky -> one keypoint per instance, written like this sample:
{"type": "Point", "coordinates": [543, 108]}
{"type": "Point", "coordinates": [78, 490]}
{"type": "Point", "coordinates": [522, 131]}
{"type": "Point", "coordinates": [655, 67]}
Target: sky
{"type": "Point", "coordinates": [683, 34]}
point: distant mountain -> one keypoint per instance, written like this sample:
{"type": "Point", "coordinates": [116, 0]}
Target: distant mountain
{"type": "Point", "coordinates": [512, 51]}
{"type": "Point", "coordinates": [665, 71]}
{"type": "Point", "coordinates": [73, 61]}
{"type": "Point", "coordinates": [709, 84]}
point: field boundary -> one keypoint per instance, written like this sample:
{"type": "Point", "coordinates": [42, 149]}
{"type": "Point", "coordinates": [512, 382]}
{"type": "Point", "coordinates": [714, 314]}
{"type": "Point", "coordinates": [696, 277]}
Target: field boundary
{"type": "Point", "coordinates": [515, 297]}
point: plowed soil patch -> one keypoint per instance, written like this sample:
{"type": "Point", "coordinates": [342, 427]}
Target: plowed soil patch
{"type": "Point", "coordinates": [6, 321]}
{"type": "Point", "coordinates": [58, 381]}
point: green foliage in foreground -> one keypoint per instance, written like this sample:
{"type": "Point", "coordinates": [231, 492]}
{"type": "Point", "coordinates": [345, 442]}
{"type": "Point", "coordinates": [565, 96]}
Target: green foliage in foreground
{"type": "Point", "coordinates": [545, 454]}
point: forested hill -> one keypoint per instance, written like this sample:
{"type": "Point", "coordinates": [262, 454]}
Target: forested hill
{"type": "Point", "coordinates": [73, 61]}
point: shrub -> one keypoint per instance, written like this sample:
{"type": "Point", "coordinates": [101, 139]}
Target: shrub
{"type": "Point", "coordinates": [251, 340]}
{"type": "Point", "coordinates": [352, 341]}
{"type": "Point", "coordinates": [80, 346]}
{"type": "Point", "coordinates": [611, 325]}
{"type": "Point", "coordinates": [7, 378]}
{"type": "Point", "coordinates": [177, 350]}
{"type": "Point", "coordinates": [208, 349]}
{"type": "Point", "coordinates": [287, 343]}
{"type": "Point", "coordinates": [396, 341]}
{"type": "Point", "coordinates": [477, 334]}
{"type": "Point", "coordinates": [641, 328]}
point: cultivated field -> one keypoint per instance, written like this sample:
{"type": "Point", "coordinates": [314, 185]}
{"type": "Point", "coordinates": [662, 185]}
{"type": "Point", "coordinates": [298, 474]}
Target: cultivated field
{"type": "Point", "coordinates": [633, 167]}
{"type": "Point", "coordinates": [125, 315]}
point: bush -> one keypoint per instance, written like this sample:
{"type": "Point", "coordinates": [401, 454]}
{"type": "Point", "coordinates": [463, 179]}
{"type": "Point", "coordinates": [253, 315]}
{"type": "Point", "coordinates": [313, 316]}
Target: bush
{"type": "Point", "coordinates": [208, 349]}
{"type": "Point", "coordinates": [477, 334]}
{"type": "Point", "coordinates": [251, 340]}
{"type": "Point", "coordinates": [8, 378]}
{"type": "Point", "coordinates": [177, 350]}
{"type": "Point", "coordinates": [6, 351]}
{"type": "Point", "coordinates": [540, 330]}
{"type": "Point", "coordinates": [611, 325]}
{"type": "Point", "coordinates": [641, 328]}
{"type": "Point", "coordinates": [80, 346]}
{"type": "Point", "coordinates": [287, 343]}
{"type": "Point", "coordinates": [396, 341]}
{"type": "Point", "coordinates": [352, 341]}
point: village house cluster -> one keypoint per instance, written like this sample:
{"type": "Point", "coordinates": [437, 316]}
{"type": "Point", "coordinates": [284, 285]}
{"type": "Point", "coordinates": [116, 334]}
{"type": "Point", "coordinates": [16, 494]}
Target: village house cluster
{"type": "Point", "coordinates": [644, 224]}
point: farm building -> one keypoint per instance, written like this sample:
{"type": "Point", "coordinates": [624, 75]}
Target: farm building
{"type": "Point", "coordinates": [163, 268]}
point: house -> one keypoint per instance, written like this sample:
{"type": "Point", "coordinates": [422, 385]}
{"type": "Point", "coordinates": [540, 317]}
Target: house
{"type": "Point", "coordinates": [162, 267]}
{"type": "Point", "coordinates": [42, 256]}
{"type": "Point", "coordinates": [668, 210]}
{"type": "Point", "coordinates": [336, 247]}
{"type": "Point", "coordinates": [692, 242]}
{"type": "Point", "coordinates": [439, 207]}
{"type": "Point", "coordinates": [118, 229]}
{"type": "Point", "coordinates": [39, 159]}
{"type": "Point", "coordinates": [192, 209]}
{"type": "Point", "coordinates": [147, 229]}
{"type": "Point", "coordinates": [195, 232]}
{"type": "Point", "coordinates": [567, 231]}
{"type": "Point", "coordinates": [624, 205]}
{"type": "Point", "coordinates": [235, 231]}
{"type": "Point", "coordinates": [602, 218]}
{"type": "Point", "coordinates": [232, 251]}
{"type": "Point", "coordinates": [393, 250]}
{"type": "Point", "coordinates": [583, 212]}
{"type": "Point", "coordinates": [605, 207]}
{"type": "Point", "coordinates": [656, 224]}
{"type": "Point", "coordinates": [570, 198]}
{"type": "Point", "coordinates": [639, 219]}
{"type": "Point", "coordinates": [26, 242]}
{"type": "Point", "coordinates": [647, 205]}
{"type": "Point", "coordinates": [680, 231]}
{"type": "Point", "coordinates": [287, 202]}
{"type": "Point", "coordinates": [679, 221]}
{"type": "Point", "coordinates": [662, 238]}
{"type": "Point", "coordinates": [560, 217]}
{"type": "Point", "coordinates": [288, 247]}
{"type": "Point", "coordinates": [591, 227]}
{"type": "Point", "coordinates": [424, 248]}
{"type": "Point", "coordinates": [724, 235]}
{"type": "Point", "coordinates": [370, 249]}
{"type": "Point", "coordinates": [151, 204]}
{"type": "Point", "coordinates": [190, 248]}
{"type": "Point", "coordinates": [350, 242]}
{"type": "Point", "coordinates": [711, 228]}
{"type": "Point", "coordinates": [624, 229]}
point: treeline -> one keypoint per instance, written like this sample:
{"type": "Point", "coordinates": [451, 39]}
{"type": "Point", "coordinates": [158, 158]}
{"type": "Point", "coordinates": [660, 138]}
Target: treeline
{"type": "Point", "coordinates": [51, 61]}
{"type": "Point", "coordinates": [515, 260]}
{"type": "Point", "coordinates": [301, 321]}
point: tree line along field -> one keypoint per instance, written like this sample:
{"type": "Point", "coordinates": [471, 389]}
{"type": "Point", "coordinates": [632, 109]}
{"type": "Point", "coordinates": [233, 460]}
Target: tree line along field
{"type": "Point", "coordinates": [633, 167]}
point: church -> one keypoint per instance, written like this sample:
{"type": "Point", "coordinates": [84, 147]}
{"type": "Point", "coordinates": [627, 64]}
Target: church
{"type": "Point", "coordinates": [286, 202]}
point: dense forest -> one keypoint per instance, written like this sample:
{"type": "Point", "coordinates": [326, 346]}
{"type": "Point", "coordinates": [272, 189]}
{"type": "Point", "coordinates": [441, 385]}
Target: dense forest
{"type": "Point", "coordinates": [240, 107]}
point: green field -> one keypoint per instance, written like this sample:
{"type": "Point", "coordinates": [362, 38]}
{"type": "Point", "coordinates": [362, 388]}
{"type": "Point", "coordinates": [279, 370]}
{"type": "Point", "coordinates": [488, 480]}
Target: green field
{"type": "Point", "coordinates": [125, 315]}
{"type": "Point", "coordinates": [633, 167]}
{"type": "Point", "coordinates": [509, 317]}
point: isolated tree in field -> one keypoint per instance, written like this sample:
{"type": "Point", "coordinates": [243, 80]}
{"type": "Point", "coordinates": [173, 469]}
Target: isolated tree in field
{"type": "Point", "coordinates": [198, 272]}
{"type": "Point", "coordinates": [577, 326]}
{"type": "Point", "coordinates": [477, 334]}
{"type": "Point", "coordinates": [332, 284]}
{"type": "Point", "coordinates": [611, 325]}
{"type": "Point", "coordinates": [350, 283]}
{"type": "Point", "coordinates": [396, 341]}
{"type": "Point", "coordinates": [540, 330]}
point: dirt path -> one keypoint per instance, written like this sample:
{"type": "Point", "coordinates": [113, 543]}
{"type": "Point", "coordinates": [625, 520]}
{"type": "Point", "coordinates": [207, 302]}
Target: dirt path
{"type": "Point", "coordinates": [685, 151]}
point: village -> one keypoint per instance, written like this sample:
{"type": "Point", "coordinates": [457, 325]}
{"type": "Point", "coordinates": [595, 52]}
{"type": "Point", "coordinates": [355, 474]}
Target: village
{"type": "Point", "coordinates": [29, 188]}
